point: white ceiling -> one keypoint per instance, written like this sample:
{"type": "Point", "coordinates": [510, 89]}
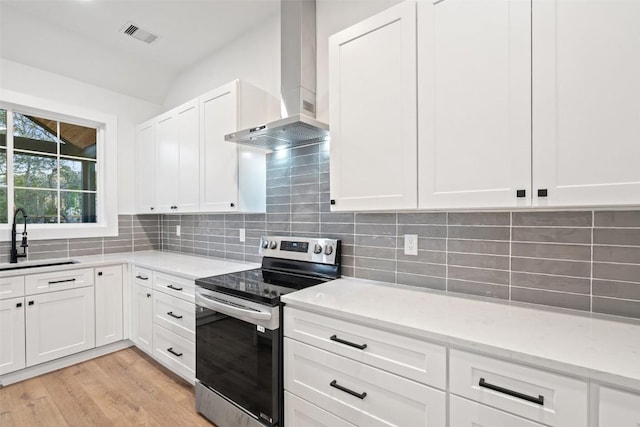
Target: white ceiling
{"type": "Point", "coordinates": [81, 39]}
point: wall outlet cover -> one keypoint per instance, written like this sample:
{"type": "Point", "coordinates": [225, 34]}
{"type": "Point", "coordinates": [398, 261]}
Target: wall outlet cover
{"type": "Point", "coordinates": [411, 244]}
{"type": "Point", "coordinates": [178, 230]}
{"type": "Point", "coordinates": [242, 235]}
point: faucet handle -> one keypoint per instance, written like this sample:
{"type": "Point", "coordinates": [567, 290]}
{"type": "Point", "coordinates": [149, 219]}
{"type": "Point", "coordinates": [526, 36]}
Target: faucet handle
{"type": "Point", "coordinates": [24, 241]}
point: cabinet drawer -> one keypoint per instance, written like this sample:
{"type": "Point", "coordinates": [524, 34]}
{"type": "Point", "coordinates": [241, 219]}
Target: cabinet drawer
{"type": "Point", "coordinates": [142, 276]}
{"type": "Point", "coordinates": [175, 286]}
{"type": "Point", "coordinates": [465, 413]}
{"type": "Point", "coordinates": [619, 408]}
{"type": "Point", "coordinates": [300, 413]}
{"type": "Point", "coordinates": [175, 314]}
{"type": "Point", "coordinates": [411, 358]}
{"type": "Point", "coordinates": [11, 287]}
{"type": "Point", "coordinates": [332, 382]}
{"type": "Point", "coordinates": [531, 393]}
{"type": "Point", "coordinates": [58, 280]}
{"type": "Point", "coordinates": [175, 352]}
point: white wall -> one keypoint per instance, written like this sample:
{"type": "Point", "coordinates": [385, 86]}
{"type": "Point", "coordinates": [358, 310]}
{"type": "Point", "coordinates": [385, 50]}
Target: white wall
{"type": "Point", "coordinates": [254, 58]}
{"type": "Point", "coordinates": [129, 111]}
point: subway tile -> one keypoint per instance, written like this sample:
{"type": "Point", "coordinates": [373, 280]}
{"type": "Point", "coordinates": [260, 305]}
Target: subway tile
{"type": "Point", "coordinates": [337, 228]}
{"type": "Point", "coordinates": [373, 252]}
{"type": "Point", "coordinates": [376, 229]}
{"type": "Point", "coordinates": [610, 288]}
{"type": "Point", "coordinates": [375, 218]}
{"type": "Point", "coordinates": [551, 251]}
{"type": "Point", "coordinates": [478, 288]}
{"type": "Point", "coordinates": [624, 272]}
{"type": "Point", "coordinates": [375, 263]}
{"type": "Point", "coordinates": [435, 270]}
{"type": "Point", "coordinates": [427, 218]}
{"type": "Point", "coordinates": [630, 255]}
{"type": "Point", "coordinates": [379, 275]}
{"type": "Point", "coordinates": [478, 260]}
{"type": "Point", "coordinates": [309, 159]}
{"type": "Point", "coordinates": [379, 241]}
{"type": "Point", "coordinates": [280, 191]}
{"type": "Point", "coordinates": [617, 307]}
{"type": "Point", "coordinates": [348, 260]}
{"type": "Point", "coordinates": [306, 217]}
{"type": "Point", "coordinates": [304, 151]}
{"type": "Point", "coordinates": [305, 227]}
{"type": "Point", "coordinates": [348, 272]}
{"type": "Point", "coordinates": [305, 208]}
{"type": "Point", "coordinates": [616, 236]}
{"type": "Point", "coordinates": [337, 217]}
{"type": "Point", "coordinates": [84, 252]}
{"type": "Point", "coordinates": [303, 189]}
{"type": "Point", "coordinates": [305, 198]}
{"type": "Point", "coordinates": [553, 267]}
{"type": "Point", "coordinates": [423, 230]}
{"type": "Point", "coordinates": [554, 299]}
{"type": "Point", "coordinates": [617, 219]}
{"type": "Point", "coordinates": [305, 179]}
{"type": "Point", "coordinates": [437, 283]}
{"type": "Point", "coordinates": [429, 244]}
{"type": "Point", "coordinates": [576, 285]}
{"type": "Point", "coordinates": [478, 233]}
{"type": "Point", "coordinates": [552, 219]}
{"type": "Point", "coordinates": [557, 235]}
{"type": "Point", "coordinates": [498, 277]}
{"type": "Point", "coordinates": [479, 218]}
{"type": "Point", "coordinates": [434, 257]}
{"type": "Point", "coordinates": [478, 247]}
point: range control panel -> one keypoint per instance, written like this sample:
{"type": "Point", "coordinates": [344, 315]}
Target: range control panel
{"type": "Point", "coordinates": [300, 248]}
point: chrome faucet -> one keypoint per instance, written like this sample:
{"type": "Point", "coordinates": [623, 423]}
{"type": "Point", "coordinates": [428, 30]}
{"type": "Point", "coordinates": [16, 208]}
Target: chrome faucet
{"type": "Point", "coordinates": [14, 251]}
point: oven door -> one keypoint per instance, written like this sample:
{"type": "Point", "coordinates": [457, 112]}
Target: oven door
{"type": "Point", "coordinates": [238, 357]}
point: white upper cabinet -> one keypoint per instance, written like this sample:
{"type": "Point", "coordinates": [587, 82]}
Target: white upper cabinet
{"type": "Point", "coordinates": [372, 72]}
{"type": "Point", "coordinates": [146, 167]}
{"type": "Point", "coordinates": [474, 103]}
{"type": "Point", "coordinates": [232, 177]}
{"type": "Point", "coordinates": [586, 114]}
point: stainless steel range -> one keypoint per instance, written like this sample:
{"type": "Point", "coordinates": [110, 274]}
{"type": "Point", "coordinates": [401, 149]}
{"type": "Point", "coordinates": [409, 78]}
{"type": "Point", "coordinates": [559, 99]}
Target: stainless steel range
{"type": "Point", "coordinates": [238, 330]}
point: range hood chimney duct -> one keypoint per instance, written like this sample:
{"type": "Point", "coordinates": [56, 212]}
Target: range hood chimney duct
{"type": "Point", "coordinates": [297, 86]}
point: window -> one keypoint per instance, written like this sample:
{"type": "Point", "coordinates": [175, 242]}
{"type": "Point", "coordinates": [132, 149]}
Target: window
{"type": "Point", "coordinates": [58, 167]}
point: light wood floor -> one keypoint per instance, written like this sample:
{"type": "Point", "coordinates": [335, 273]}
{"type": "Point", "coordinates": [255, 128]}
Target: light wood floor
{"type": "Point", "coordinates": [119, 389]}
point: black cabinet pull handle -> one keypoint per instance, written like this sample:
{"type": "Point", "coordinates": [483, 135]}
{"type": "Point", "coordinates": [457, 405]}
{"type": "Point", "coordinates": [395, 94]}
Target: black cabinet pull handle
{"type": "Point", "coordinates": [170, 350]}
{"type": "Point", "coordinates": [62, 281]}
{"type": "Point", "coordinates": [151, 208]}
{"type": "Point", "coordinates": [350, 344]}
{"type": "Point", "coordinates": [233, 205]}
{"type": "Point", "coordinates": [30, 303]}
{"type": "Point", "coordinates": [174, 315]}
{"type": "Point", "coordinates": [18, 305]}
{"type": "Point", "coordinates": [174, 288]}
{"type": "Point", "coordinates": [333, 202]}
{"type": "Point", "coordinates": [521, 193]}
{"type": "Point", "coordinates": [537, 400]}
{"type": "Point", "coordinates": [141, 277]}
{"type": "Point", "coordinates": [99, 273]}
{"type": "Point", "coordinates": [148, 295]}
{"type": "Point", "coordinates": [335, 384]}
{"type": "Point", "coordinates": [542, 192]}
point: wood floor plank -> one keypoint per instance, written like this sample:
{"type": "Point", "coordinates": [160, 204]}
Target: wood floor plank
{"type": "Point", "coordinates": [126, 388]}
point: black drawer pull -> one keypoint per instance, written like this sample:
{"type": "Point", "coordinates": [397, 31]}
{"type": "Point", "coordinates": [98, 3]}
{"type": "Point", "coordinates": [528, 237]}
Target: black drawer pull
{"type": "Point", "coordinates": [170, 350]}
{"type": "Point", "coordinates": [173, 315]}
{"type": "Point", "coordinates": [18, 305]}
{"type": "Point", "coordinates": [62, 281]}
{"type": "Point", "coordinates": [174, 288]}
{"type": "Point", "coordinates": [538, 400]}
{"type": "Point", "coordinates": [30, 302]}
{"type": "Point", "coordinates": [148, 295]}
{"type": "Point", "coordinates": [350, 344]}
{"type": "Point", "coordinates": [335, 384]}
{"type": "Point", "coordinates": [142, 277]}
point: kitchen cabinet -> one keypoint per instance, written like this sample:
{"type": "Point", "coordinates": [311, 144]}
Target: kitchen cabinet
{"type": "Point", "coordinates": [372, 72]}
{"type": "Point", "coordinates": [177, 145]}
{"type": "Point", "coordinates": [11, 287]}
{"type": "Point", "coordinates": [109, 304]}
{"type": "Point", "coordinates": [142, 310]}
{"type": "Point", "coordinates": [465, 413]}
{"type": "Point", "coordinates": [474, 103]}
{"type": "Point", "coordinates": [59, 324]}
{"type": "Point", "coordinates": [232, 177]}
{"type": "Point", "coordinates": [618, 408]}
{"type": "Point", "coordinates": [146, 167]}
{"type": "Point", "coordinates": [585, 110]}
{"type": "Point", "coordinates": [12, 335]}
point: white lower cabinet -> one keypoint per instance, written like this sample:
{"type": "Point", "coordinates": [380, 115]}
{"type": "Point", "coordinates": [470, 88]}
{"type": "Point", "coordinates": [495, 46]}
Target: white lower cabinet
{"type": "Point", "coordinates": [12, 338]}
{"type": "Point", "coordinates": [465, 413]}
{"type": "Point", "coordinates": [59, 324]}
{"type": "Point", "coordinates": [618, 408]}
{"type": "Point", "coordinates": [109, 304]}
{"type": "Point", "coordinates": [142, 317]}
{"type": "Point", "coordinates": [300, 413]}
{"type": "Point", "coordinates": [175, 352]}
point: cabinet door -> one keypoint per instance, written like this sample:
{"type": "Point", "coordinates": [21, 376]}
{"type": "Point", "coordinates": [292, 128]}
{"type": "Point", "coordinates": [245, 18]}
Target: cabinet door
{"type": "Point", "coordinates": [618, 408]}
{"type": "Point", "coordinates": [219, 159]}
{"type": "Point", "coordinates": [586, 88]}
{"type": "Point", "coordinates": [372, 71]}
{"type": "Point", "coordinates": [146, 168]}
{"type": "Point", "coordinates": [59, 324]}
{"type": "Point", "coordinates": [12, 356]}
{"type": "Point", "coordinates": [474, 103]}
{"type": "Point", "coordinates": [300, 413]}
{"type": "Point", "coordinates": [187, 120]}
{"type": "Point", "coordinates": [168, 163]}
{"type": "Point", "coordinates": [109, 307]}
{"type": "Point", "coordinates": [465, 413]}
{"type": "Point", "coordinates": [142, 318]}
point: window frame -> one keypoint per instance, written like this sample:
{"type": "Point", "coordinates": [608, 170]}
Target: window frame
{"type": "Point", "coordinates": [106, 161]}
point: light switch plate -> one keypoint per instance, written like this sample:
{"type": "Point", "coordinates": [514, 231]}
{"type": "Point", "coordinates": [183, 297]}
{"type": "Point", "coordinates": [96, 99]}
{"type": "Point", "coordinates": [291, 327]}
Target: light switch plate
{"type": "Point", "coordinates": [178, 230]}
{"type": "Point", "coordinates": [411, 244]}
{"type": "Point", "coordinates": [242, 235]}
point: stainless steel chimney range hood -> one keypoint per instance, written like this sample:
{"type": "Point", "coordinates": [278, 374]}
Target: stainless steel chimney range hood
{"type": "Point", "coordinates": [298, 85]}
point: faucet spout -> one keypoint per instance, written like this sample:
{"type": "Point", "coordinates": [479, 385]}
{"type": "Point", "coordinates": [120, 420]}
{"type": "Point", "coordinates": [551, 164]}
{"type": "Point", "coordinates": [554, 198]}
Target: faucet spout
{"type": "Point", "coordinates": [14, 255]}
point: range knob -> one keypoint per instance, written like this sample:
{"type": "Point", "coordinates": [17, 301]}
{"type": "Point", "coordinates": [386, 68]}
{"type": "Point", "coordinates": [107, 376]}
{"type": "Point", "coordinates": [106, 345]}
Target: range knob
{"type": "Point", "coordinates": [265, 244]}
{"type": "Point", "coordinates": [328, 250]}
{"type": "Point", "coordinates": [273, 244]}
{"type": "Point", "coordinates": [317, 249]}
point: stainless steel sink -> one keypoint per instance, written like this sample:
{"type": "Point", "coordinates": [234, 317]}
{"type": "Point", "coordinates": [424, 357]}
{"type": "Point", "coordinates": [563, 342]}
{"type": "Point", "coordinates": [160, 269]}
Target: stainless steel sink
{"type": "Point", "coordinates": [24, 266]}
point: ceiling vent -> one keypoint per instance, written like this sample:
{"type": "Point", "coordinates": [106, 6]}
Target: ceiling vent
{"type": "Point", "coordinates": [138, 33]}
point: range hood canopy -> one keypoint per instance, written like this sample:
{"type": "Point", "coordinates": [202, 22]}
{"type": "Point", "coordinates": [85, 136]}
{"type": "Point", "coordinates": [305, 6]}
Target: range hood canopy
{"type": "Point", "coordinates": [297, 86]}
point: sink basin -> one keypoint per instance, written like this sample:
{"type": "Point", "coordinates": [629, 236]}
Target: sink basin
{"type": "Point", "coordinates": [23, 266]}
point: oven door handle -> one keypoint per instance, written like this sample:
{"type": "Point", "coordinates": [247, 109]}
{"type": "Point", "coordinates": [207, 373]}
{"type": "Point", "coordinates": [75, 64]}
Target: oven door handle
{"type": "Point", "coordinates": [225, 307]}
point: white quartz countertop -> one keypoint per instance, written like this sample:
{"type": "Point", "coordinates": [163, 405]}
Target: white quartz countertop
{"type": "Point", "coordinates": [603, 350]}
{"type": "Point", "coordinates": [187, 266]}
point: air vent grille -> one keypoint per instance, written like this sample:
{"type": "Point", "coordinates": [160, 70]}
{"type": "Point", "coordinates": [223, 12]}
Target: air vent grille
{"type": "Point", "coordinates": [138, 33]}
{"type": "Point", "coordinates": [131, 29]}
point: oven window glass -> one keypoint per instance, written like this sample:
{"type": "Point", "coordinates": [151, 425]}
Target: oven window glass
{"type": "Point", "coordinates": [238, 361]}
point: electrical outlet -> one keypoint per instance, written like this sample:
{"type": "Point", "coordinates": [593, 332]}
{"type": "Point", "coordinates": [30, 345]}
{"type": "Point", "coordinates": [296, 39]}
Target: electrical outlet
{"type": "Point", "coordinates": [411, 244]}
{"type": "Point", "coordinates": [178, 230]}
{"type": "Point", "coordinates": [242, 235]}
